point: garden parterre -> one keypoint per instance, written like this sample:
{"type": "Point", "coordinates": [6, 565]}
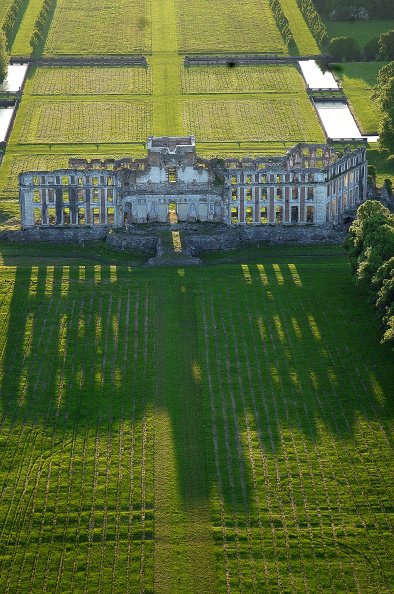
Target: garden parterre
{"type": "Point", "coordinates": [100, 27]}
{"type": "Point", "coordinates": [242, 79]}
{"type": "Point", "coordinates": [88, 80]}
{"type": "Point", "coordinates": [91, 121]}
{"type": "Point", "coordinates": [286, 118]}
{"type": "Point", "coordinates": [227, 26]}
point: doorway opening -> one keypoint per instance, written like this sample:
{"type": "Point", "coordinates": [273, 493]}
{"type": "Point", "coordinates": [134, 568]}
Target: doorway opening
{"type": "Point", "coordinates": [172, 213]}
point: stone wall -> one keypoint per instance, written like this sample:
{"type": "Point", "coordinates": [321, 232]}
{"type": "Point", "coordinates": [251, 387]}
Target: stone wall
{"type": "Point", "coordinates": [56, 234]}
{"type": "Point", "coordinates": [233, 238]}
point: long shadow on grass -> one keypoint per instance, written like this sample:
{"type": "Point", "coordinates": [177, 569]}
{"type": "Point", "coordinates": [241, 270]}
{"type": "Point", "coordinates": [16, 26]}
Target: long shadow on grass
{"type": "Point", "coordinates": [88, 346]}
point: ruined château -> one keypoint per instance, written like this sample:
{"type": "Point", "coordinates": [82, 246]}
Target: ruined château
{"type": "Point", "coordinates": [310, 184]}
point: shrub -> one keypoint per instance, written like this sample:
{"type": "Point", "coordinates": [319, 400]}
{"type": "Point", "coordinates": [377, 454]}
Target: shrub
{"type": "Point", "coordinates": [343, 49]}
{"type": "Point", "coordinates": [371, 49]}
{"type": "Point", "coordinates": [386, 45]}
{"type": "Point", "coordinates": [4, 57]}
{"type": "Point", "coordinates": [11, 17]}
{"type": "Point", "coordinates": [41, 22]}
{"type": "Point", "coordinates": [314, 21]}
{"type": "Point", "coordinates": [282, 23]}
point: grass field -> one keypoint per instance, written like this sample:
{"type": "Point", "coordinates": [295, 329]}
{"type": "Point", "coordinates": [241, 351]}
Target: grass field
{"type": "Point", "coordinates": [218, 430]}
{"type": "Point", "coordinates": [227, 26]}
{"type": "Point", "coordinates": [21, 45]}
{"type": "Point", "coordinates": [383, 163]}
{"type": "Point", "coordinates": [63, 122]}
{"type": "Point", "coordinates": [358, 80]}
{"type": "Point", "coordinates": [242, 79]}
{"type": "Point", "coordinates": [103, 27]}
{"type": "Point", "coordinates": [361, 31]}
{"type": "Point", "coordinates": [283, 117]}
{"type": "Point", "coordinates": [305, 42]}
{"type": "Point", "coordinates": [92, 81]}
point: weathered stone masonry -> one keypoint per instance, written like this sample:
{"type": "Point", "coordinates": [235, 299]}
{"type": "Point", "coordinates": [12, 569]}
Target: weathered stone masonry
{"type": "Point", "coordinates": [310, 184]}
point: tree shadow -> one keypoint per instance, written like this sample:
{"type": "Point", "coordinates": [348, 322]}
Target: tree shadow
{"type": "Point", "coordinates": [92, 346]}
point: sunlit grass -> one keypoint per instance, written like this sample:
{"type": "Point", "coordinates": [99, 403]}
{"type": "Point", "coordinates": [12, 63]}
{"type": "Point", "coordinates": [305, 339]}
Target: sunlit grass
{"type": "Point", "coordinates": [175, 427]}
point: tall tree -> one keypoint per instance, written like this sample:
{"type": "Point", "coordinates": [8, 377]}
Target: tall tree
{"type": "Point", "coordinates": [4, 57]}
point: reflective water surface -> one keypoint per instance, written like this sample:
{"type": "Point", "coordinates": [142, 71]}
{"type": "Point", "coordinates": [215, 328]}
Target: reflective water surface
{"type": "Point", "coordinates": [14, 79]}
{"type": "Point", "coordinates": [337, 119]}
{"type": "Point", "coordinates": [315, 77]}
{"type": "Point", "coordinates": [5, 119]}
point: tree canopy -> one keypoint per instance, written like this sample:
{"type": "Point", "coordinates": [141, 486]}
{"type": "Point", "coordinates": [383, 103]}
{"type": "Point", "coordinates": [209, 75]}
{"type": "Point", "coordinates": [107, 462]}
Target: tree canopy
{"type": "Point", "coordinates": [4, 57]}
{"type": "Point", "coordinates": [370, 243]}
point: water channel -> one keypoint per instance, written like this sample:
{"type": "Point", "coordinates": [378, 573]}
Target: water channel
{"type": "Point", "coordinates": [14, 80]}
{"type": "Point", "coordinates": [315, 77]}
{"type": "Point", "coordinates": [337, 120]}
{"type": "Point", "coordinates": [335, 115]}
{"type": "Point", "coordinates": [5, 120]}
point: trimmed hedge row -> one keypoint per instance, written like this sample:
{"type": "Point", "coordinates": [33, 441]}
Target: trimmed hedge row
{"type": "Point", "coordinates": [41, 22]}
{"type": "Point", "coordinates": [314, 21]}
{"type": "Point", "coordinates": [11, 17]}
{"type": "Point", "coordinates": [282, 23]}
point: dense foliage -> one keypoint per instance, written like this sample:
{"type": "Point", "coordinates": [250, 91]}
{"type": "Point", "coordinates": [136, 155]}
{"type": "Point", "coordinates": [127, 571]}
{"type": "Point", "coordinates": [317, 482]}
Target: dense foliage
{"type": "Point", "coordinates": [282, 22]}
{"type": "Point", "coordinates": [314, 21]}
{"type": "Point", "coordinates": [386, 45]}
{"type": "Point", "coordinates": [41, 22]}
{"type": "Point", "coordinates": [384, 95]}
{"type": "Point", "coordinates": [12, 17]}
{"type": "Point", "coordinates": [370, 244]}
{"type": "Point", "coordinates": [352, 10]}
{"type": "Point", "coordinates": [343, 49]}
{"type": "Point", "coordinates": [4, 57]}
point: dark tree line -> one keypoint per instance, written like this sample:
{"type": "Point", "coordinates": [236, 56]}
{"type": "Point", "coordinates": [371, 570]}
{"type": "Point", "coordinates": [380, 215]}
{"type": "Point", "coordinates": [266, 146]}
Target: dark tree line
{"type": "Point", "coordinates": [384, 95]}
{"type": "Point", "coordinates": [370, 243]}
{"type": "Point", "coordinates": [4, 57]}
{"type": "Point", "coordinates": [352, 10]}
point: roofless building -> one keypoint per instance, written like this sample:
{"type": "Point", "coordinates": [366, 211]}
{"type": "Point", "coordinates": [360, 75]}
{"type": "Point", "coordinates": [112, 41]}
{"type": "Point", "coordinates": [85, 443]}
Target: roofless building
{"type": "Point", "coordinates": [310, 184]}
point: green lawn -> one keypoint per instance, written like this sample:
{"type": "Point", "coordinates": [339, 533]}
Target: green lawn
{"type": "Point", "coordinates": [87, 27]}
{"type": "Point", "coordinates": [384, 165]}
{"type": "Point", "coordinates": [362, 31]}
{"type": "Point", "coordinates": [222, 429]}
{"type": "Point", "coordinates": [358, 80]}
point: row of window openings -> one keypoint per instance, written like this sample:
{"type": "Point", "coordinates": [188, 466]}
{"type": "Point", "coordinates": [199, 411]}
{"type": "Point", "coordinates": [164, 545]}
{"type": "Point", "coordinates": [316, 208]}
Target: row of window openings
{"type": "Point", "coordinates": [81, 197]}
{"type": "Point", "coordinates": [249, 215]}
{"type": "Point", "coordinates": [338, 187]}
{"type": "Point", "coordinates": [345, 166]}
{"type": "Point", "coordinates": [81, 216]}
{"type": "Point", "coordinates": [279, 194]}
{"type": "Point", "coordinates": [276, 178]}
{"type": "Point", "coordinates": [65, 180]}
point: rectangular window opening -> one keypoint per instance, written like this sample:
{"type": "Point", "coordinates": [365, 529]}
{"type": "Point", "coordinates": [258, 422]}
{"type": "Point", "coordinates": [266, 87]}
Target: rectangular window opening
{"type": "Point", "coordinates": [171, 175]}
{"type": "Point", "coordinates": [96, 216]}
{"type": "Point", "coordinates": [52, 216]}
{"type": "Point", "coordinates": [37, 216]}
{"type": "Point", "coordinates": [111, 216]}
{"type": "Point", "coordinates": [294, 214]}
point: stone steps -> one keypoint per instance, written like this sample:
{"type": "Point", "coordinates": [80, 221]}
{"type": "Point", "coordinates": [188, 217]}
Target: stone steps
{"type": "Point", "coordinates": [170, 251]}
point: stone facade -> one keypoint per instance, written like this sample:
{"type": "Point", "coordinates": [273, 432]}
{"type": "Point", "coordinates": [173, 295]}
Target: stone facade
{"type": "Point", "coordinates": [310, 184]}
